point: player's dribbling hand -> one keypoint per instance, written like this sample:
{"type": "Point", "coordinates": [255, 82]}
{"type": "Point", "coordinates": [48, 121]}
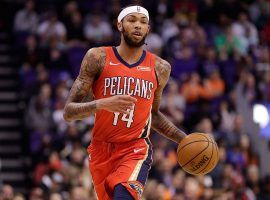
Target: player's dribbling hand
{"type": "Point", "coordinates": [118, 103]}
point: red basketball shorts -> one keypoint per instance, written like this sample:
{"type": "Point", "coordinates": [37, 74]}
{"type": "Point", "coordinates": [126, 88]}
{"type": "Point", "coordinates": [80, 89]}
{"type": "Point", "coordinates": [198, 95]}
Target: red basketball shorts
{"type": "Point", "coordinates": [125, 163]}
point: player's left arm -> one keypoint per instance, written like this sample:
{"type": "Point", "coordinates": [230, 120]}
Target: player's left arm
{"type": "Point", "coordinates": [159, 122]}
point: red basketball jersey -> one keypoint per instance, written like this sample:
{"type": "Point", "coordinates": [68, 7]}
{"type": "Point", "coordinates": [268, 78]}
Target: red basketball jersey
{"type": "Point", "coordinates": [118, 77]}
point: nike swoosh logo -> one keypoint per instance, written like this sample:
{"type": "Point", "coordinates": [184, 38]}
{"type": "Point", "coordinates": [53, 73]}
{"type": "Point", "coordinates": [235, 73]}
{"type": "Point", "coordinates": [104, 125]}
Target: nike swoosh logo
{"type": "Point", "coordinates": [111, 63]}
{"type": "Point", "coordinates": [137, 150]}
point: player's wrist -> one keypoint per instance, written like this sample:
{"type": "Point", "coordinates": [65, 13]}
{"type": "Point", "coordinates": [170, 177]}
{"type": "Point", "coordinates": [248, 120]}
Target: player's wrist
{"type": "Point", "coordinates": [100, 104]}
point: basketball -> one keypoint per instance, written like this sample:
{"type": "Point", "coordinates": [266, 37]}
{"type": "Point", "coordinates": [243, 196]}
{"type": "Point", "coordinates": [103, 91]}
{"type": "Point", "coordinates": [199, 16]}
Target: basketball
{"type": "Point", "coordinates": [198, 153]}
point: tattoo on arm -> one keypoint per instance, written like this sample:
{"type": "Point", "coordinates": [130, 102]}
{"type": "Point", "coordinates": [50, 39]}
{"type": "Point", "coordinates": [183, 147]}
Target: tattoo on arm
{"type": "Point", "coordinates": [91, 67]}
{"type": "Point", "coordinates": [166, 128]}
{"type": "Point", "coordinates": [159, 122]}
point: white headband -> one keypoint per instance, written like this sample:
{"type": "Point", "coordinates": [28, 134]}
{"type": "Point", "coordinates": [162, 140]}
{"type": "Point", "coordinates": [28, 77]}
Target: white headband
{"type": "Point", "coordinates": [132, 9]}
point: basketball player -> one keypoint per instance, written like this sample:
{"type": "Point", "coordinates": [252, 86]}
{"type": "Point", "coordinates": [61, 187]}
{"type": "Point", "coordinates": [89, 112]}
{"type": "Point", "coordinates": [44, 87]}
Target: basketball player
{"type": "Point", "coordinates": [126, 83]}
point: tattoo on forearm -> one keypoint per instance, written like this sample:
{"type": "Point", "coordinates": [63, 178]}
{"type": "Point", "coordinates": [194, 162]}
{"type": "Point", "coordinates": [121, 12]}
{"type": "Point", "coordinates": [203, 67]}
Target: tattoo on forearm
{"type": "Point", "coordinates": [165, 127]}
{"type": "Point", "coordinates": [159, 122]}
{"type": "Point", "coordinates": [82, 110]}
{"type": "Point", "coordinates": [91, 68]}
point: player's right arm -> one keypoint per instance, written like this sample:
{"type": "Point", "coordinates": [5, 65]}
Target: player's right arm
{"type": "Point", "coordinates": [91, 68]}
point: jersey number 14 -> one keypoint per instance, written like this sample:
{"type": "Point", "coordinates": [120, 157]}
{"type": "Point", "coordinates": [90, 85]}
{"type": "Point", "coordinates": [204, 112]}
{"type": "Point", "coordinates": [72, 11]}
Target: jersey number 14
{"type": "Point", "coordinates": [125, 118]}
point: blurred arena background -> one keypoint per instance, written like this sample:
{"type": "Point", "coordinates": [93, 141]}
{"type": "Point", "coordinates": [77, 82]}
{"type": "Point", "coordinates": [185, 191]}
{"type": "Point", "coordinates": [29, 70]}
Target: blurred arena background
{"type": "Point", "coordinates": [220, 84]}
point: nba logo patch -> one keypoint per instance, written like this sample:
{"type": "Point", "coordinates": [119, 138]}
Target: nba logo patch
{"type": "Point", "coordinates": [143, 68]}
{"type": "Point", "coordinates": [137, 187]}
{"type": "Point", "coordinates": [138, 9]}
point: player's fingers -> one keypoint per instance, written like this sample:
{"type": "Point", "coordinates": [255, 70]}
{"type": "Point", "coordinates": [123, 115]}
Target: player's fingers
{"type": "Point", "coordinates": [123, 110]}
{"type": "Point", "coordinates": [126, 103]}
{"type": "Point", "coordinates": [120, 108]}
{"type": "Point", "coordinates": [127, 107]}
{"type": "Point", "coordinates": [128, 98]}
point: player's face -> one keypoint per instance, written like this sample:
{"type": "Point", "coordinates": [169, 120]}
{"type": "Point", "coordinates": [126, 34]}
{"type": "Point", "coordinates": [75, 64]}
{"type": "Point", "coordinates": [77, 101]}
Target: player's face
{"type": "Point", "coordinates": [134, 28]}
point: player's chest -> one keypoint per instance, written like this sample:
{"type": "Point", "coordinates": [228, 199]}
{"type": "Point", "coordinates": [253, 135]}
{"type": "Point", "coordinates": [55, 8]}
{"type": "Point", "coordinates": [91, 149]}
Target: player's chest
{"type": "Point", "coordinates": [136, 81]}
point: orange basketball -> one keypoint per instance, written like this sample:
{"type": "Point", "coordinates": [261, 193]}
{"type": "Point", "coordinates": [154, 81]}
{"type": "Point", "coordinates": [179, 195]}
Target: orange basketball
{"type": "Point", "coordinates": [198, 153]}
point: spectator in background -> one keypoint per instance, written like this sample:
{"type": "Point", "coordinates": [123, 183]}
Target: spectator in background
{"type": "Point", "coordinates": [232, 139]}
{"type": "Point", "coordinates": [228, 44]}
{"type": "Point", "coordinates": [75, 166]}
{"type": "Point", "coordinates": [192, 89]}
{"type": "Point", "coordinates": [70, 9]}
{"type": "Point", "coordinates": [249, 90]}
{"type": "Point", "coordinates": [264, 87]}
{"type": "Point", "coordinates": [245, 31]}
{"type": "Point", "coordinates": [265, 194]}
{"type": "Point", "coordinates": [263, 60]}
{"type": "Point", "coordinates": [97, 30]}
{"type": "Point", "coordinates": [209, 62]}
{"type": "Point", "coordinates": [178, 183]}
{"type": "Point", "coordinates": [185, 6]}
{"type": "Point", "coordinates": [152, 185]}
{"type": "Point", "coordinates": [26, 20]}
{"type": "Point", "coordinates": [265, 34]}
{"type": "Point", "coordinates": [163, 9]}
{"type": "Point", "coordinates": [18, 197]}
{"type": "Point", "coordinates": [75, 29]}
{"type": "Point", "coordinates": [230, 8]}
{"type": "Point", "coordinates": [36, 194]}
{"type": "Point", "coordinates": [185, 62]}
{"type": "Point", "coordinates": [199, 35]}
{"type": "Point", "coordinates": [169, 29]}
{"type": "Point", "coordinates": [31, 51]}
{"type": "Point", "coordinates": [33, 79]}
{"type": "Point", "coordinates": [213, 86]}
{"type": "Point", "coordinates": [161, 192]}
{"type": "Point", "coordinates": [53, 178]}
{"type": "Point", "coordinates": [192, 189]}
{"type": "Point", "coordinates": [217, 173]}
{"type": "Point", "coordinates": [165, 169]}
{"type": "Point", "coordinates": [154, 43]}
{"type": "Point", "coordinates": [55, 196]}
{"type": "Point", "coordinates": [73, 20]}
{"type": "Point", "coordinates": [51, 28]}
{"type": "Point", "coordinates": [61, 92]}
{"type": "Point", "coordinates": [253, 178]}
{"type": "Point", "coordinates": [42, 77]}
{"type": "Point", "coordinates": [227, 117]}
{"type": "Point", "coordinates": [173, 103]}
{"type": "Point", "coordinates": [79, 193]}
{"type": "Point", "coordinates": [56, 59]}
{"type": "Point", "coordinates": [6, 192]}
{"type": "Point", "coordinates": [259, 12]}
{"type": "Point", "coordinates": [207, 12]}
{"type": "Point", "coordinates": [205, 125]}
{"type": "Point", "coordinates": [254, 11]}
{"type": "Point", "coordinates": [39, 111]}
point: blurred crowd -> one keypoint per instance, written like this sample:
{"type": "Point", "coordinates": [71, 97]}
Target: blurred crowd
{"type": "Point", "coordinates": [212, 46]}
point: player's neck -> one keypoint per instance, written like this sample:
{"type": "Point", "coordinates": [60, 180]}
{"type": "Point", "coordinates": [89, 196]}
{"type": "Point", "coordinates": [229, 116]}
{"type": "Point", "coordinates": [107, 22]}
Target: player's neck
{"type": "Point", "coordinates": [129, 54]}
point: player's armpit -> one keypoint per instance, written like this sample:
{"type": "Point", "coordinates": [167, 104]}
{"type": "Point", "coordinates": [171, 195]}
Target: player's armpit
{"type": "Point", "coordinates": [159, 122]}
{"type": "Point", "coordinates": [91, 68]}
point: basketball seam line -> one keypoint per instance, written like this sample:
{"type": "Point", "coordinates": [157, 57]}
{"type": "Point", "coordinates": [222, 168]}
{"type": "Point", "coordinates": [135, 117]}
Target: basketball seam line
{"type": "Point", "coordinates": [197, 154]}
{"type": "Point", "coordinates": [193, 142]}
{"type": "Point", "coordinates": [209, 160]}
{"type": "Point", "coordinates": [217, 152]}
